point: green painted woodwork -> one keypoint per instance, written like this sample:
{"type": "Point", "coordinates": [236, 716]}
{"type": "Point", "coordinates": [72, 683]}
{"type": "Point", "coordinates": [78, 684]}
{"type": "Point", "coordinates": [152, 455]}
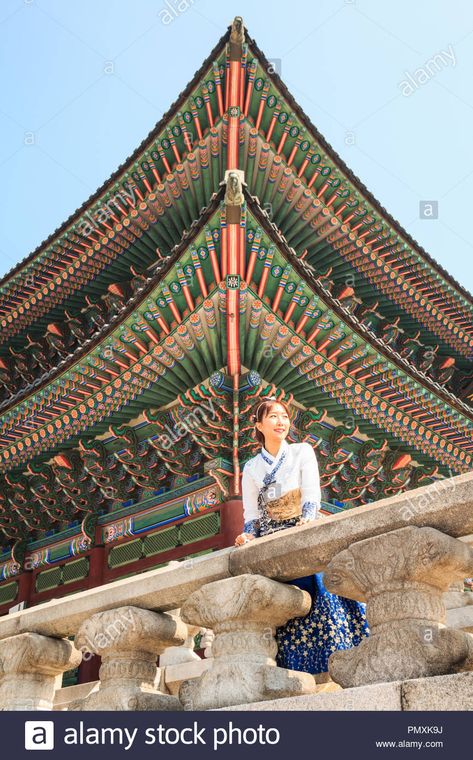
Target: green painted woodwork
{"type": "Point", "coordinates": [8, 592]}
{"type": "Point", "coordinates": [164, 540]}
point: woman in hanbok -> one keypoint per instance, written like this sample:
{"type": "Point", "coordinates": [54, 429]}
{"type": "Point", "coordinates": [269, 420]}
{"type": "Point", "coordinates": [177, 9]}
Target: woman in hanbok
{"type": "Point", "coordinates": [281, 489]}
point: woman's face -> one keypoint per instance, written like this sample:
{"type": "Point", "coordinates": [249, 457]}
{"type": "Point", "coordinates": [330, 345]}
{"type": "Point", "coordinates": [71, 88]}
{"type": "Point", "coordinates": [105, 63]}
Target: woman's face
{"type": "Point", "coordinates": [275, 426]}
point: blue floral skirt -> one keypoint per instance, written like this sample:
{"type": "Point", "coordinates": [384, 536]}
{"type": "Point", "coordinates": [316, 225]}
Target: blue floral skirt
{"type": "Point", "coordinates": [333, 623]}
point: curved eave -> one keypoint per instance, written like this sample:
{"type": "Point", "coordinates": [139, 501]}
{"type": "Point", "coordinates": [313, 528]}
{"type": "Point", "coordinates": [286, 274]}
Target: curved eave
{"type": "Point", "coordinates": [365, 335]}
{"type": "Point", "coordinates": [318, 393]}
{"type": "Point", "coordinates": [161, 270]}
{"type": "Point", "coordinates": [358, 328]}
{"type": "Point", "coordinates": [127, 165]}
{"type": "Point", "coordinates": [108, 261]}
{"type": "Point", "coordinates": [355, 180]}
{"type": "Point", "coordinates": [313, 225]}
{"type": "Point", "coordinates": [332, 155]}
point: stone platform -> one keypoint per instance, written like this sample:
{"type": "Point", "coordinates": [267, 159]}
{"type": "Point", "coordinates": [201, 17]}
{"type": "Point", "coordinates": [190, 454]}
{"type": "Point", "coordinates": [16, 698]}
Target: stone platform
{"type": "Point", "coordinates": [438, 693]}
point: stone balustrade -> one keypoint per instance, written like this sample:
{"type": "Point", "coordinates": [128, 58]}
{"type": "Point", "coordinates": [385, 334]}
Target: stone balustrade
{"type": "Point", "coordinates": [129, 640]}
{"type": "Point", "coordinates": [244, 612]}
{"type": "Point", "coordinates": [400, 555]}
{"type": "Point", "coordinates": [402, 576]}
{"type": "Point", "coordinates": [29, 666]}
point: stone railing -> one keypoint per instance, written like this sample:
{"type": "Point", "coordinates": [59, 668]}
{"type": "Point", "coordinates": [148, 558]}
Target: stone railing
{"type": "Point", "coordinates": [400, 555]}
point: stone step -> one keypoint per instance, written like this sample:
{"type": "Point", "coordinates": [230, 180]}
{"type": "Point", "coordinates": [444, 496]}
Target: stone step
{"type": "Point", "coordinates": [451, 692]}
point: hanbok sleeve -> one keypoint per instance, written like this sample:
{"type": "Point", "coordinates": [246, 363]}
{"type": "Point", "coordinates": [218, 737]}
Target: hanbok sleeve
{"type": "Point", "coordinates": [250, 503]}
{"type": "Point", "coordinates": [310, 483]}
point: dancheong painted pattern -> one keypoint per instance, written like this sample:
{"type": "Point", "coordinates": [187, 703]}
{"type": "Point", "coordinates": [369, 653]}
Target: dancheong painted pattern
{"type": "Point", "coordinates": [231, 257]}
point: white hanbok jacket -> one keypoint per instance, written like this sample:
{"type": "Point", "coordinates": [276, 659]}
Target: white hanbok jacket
{"type": "Point", "coordinates": [299, 469]}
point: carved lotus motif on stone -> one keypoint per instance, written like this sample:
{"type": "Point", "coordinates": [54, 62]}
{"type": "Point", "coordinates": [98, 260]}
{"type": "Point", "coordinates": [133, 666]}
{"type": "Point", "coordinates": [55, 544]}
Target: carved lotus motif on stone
{"type": "Point", "coordinates": [249, 598]}
{"type": "Point", "coordinates": [401, 654]}
{"type": "Point", "coordinates": [129, 628]}
{"type": "Point", "coordinates": [33, 653]}
{"type": "Point", "coordinates": [29, 664]}
{"type": "Point", "coordinates": [402, 575]}
{"type": "Point", "coordinates": [420, 554]}
{"type": "Point", "coordinates": [243, 612]}
{"type": "Point", "coordinates": [129, 640]}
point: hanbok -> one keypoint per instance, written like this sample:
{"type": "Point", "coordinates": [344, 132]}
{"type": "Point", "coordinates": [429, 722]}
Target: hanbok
{"type": "Point", "coordinates": [333, 622]}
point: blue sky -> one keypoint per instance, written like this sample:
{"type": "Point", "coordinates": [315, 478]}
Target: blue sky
{"type": "Point", "coordinates": [83, 82]}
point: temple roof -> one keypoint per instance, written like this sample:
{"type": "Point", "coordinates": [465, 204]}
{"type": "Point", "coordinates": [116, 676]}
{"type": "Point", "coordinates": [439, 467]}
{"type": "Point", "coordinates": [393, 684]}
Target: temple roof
{"type": "Point", "coordinates": [156, 316]}
{"type": "Point", "coordinates": [435, 302]}
{"type": "Point", "coordinates": [96, 430]}
{"type": "Point", "coordinates": [221, 273]}
{"type": "Point", "coordinates": [357, 182]}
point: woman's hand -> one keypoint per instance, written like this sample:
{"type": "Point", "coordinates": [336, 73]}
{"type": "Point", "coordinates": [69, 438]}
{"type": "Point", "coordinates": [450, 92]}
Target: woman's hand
{"type": "Point", "coordinates": [243, 538]}
{"type": "Point", "coordinates": [318, 518]}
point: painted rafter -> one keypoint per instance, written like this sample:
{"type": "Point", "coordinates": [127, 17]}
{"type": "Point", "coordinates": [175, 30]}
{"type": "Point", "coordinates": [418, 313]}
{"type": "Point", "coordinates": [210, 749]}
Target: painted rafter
{"type": "Point", "coordinates": [350, 467]}
{"type": "Point", "coordinates": [262, 261]}
{"type": "Point", "coordinates": [149, 229]}
{"type": "Point", "coordinates": [288, 361]}
{"type": "Point", "coordinates": [129, 465]}
{"type": "Point", "coordinates": [327, 231]}
{"type": "Point", "coordinates": [165, 298]}
{"type": "Point", "coordinates": [216, 307]}
{"type": "Point", "coordinates": [317, 165]}
{"type": "Point", "coordinates": [139, 354]}
{"type": "Point", "coordinates": [135, 460]}
{"type": "Point", "coordinates": [186, 123]}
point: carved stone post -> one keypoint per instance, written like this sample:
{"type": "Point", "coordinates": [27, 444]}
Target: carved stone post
{"type": "Point", "coordinates": [29, 666]}
{"type": "Point", "coordinates": [208, 638]}
{"type": "Point", "coordinates": [129, 641]}
{"type": "Point", "coordinates": [185, 653]}
{"type": "Point", "coordinates": [402, 576]}
{"type": "Point", "coordinates": [178, 664]}
{"type": "Point", "coordinates": [244, 612]}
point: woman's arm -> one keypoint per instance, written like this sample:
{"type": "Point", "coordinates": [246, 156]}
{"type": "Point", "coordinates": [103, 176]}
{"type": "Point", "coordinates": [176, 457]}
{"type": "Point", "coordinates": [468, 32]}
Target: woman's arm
{"type": "Point", "coordinates": [250, 504]}
{"type": "Point", "coordinates": [250, 492]}
{"type": "Point", "coordinates": [310, 483]}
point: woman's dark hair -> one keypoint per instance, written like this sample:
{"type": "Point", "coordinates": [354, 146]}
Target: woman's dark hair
{"type": "Point", "coordinates": [262, 411]}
